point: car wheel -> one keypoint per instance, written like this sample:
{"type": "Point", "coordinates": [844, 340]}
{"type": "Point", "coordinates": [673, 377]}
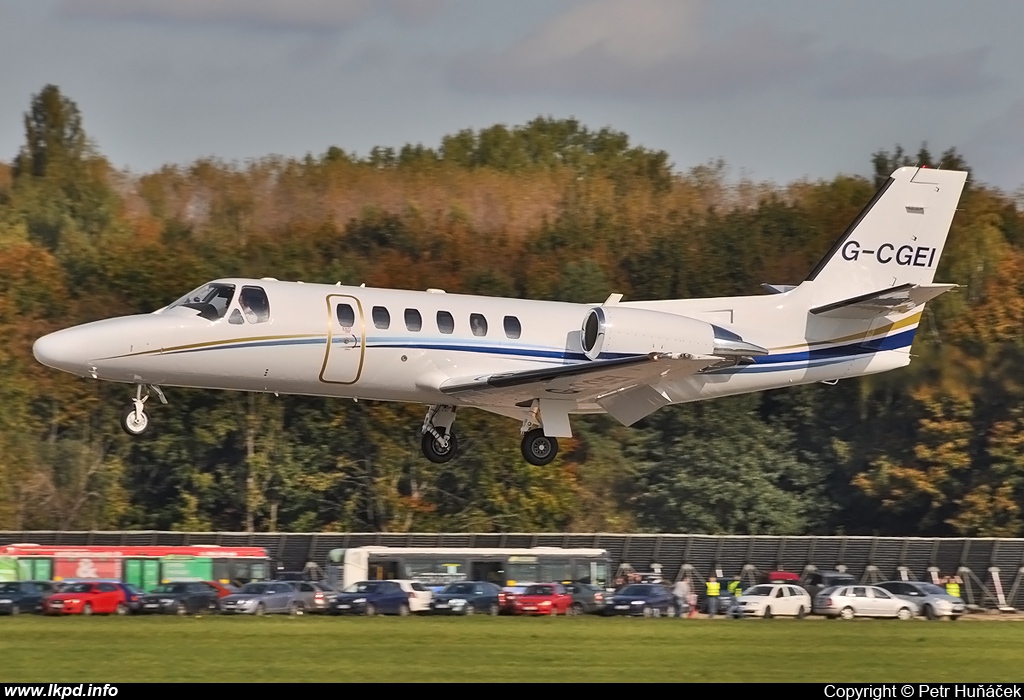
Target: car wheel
{"type": "Point", "coordinates": [179, 609]}
{"type": "Point", "coordinates": [670, 611]}
{"type": "Point", "coordinates": [801, 613]}
{"type": "Point", "coordinates": [261, 609]}
{"type": "Point", "coordinates": [847, 613]}
{"type": "Point", "coordinates": [15, 610]}
{"type": "Point", "coordinates": [495, 610]}
{"type": "Point", "coordinates": [371, 610]}
{"type": "Point", "coordinates": [295, 609]}
{"type": "Point", "coordinates": [905, 614]}
{"type": "Point", "coordinates": [577, 609]}
{"type": "Point", "coordinates": [403, 610]}
{"type": "Point", "coordinates": [954, 617]}
{"type": "Point", "coordinates": [470, 609]}
{"type": "Point", "coordinates": [648, 611]}
{"type": "Point", "coordinates": [121, 609]}
{"type": "Point", "coordinates": [929, 612]}
{"type": "Point", "coordinates": [87, 609]}
{"type": "Point", "coordinates": [768, 613]}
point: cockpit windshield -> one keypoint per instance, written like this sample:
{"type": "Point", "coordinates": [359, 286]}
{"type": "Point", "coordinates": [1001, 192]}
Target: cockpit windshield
{"type": "Point", "coordinates": [210, 300]}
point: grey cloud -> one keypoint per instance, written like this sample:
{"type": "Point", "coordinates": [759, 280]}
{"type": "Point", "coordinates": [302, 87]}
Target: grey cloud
{"type": "Point", "coordinates": [996, 150]}
{"type": "Point", "coordinates": [293, 15]}
{"type": "Point", "coordinates": [755, 59]}
{"type": "Point", "coordinates": [859, 74]}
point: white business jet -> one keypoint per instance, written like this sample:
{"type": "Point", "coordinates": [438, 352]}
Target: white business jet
{"type": "Point", "coordinates": [539, 362]}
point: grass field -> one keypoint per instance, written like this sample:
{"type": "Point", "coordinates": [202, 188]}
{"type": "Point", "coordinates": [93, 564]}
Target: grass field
{"type": "Point", "coordinates": [113, 649]}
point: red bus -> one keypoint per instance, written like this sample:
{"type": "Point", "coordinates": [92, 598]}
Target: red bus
{"type": "Point", "coordinates": [146, 567]}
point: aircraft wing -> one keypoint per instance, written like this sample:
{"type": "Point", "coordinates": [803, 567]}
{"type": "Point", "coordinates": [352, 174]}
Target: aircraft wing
{"type": "Point", "coordinates": [580, 382]}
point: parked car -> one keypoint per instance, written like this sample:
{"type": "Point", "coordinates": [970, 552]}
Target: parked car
{"type": "Point", "coordinates": [641, 599]}
{"type": "Point", "coordinates": [849, 602]}
{"type": "Point", "coordinates": [315, 597]}
{"type": "Point", "coordinates": [88, 598]}
{"type": "Point", "coordinates": [133, 596]}
{"type": "Point", "coordinates": [467, 598]}
{"type": "Point", "coordinates": [543, 599]}
{"type": "Point", "coordinates": [220, 589]}
{"type": "Point", "coordinates": [420, 595]}
{"type": "Point", "coordinates": [507, 599]}
{"type": "Point", "coordinates": [24, 596]}
{"type": "Point", "coordinates": [817, 581]}
{"type": "Point", "coordinates": [181, 598]}
{"type": "Point", "coordinates": [769, 600]}
{"type": "Point", "coordinates": [263, 598]}
{"type": "Point", "coordinates": [586, 598]}
{"type": "Point", "coordinates": [373, 597]}
{"type": "Point", "coordinates": [931, 600]}
{"type": "Point", "coordinates": [782, 577]}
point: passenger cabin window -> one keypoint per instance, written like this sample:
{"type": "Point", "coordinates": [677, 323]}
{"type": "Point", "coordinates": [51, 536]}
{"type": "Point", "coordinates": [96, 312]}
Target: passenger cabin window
{"type": "Point", "coordinates": [478, 323]}
{"type": "Point", "coordinates": [210, 300]}
{"type": "Point", "coordinates": [381, 318]}
{"type": "Point", "coordinates": [513, 329]}
{"type": "Point", "coordinates": [255, 305]}
{"type": "Point", "coordinates": [413, 320]}
{"type": "Point", "coordinates": [445, 322]}
{"type": "Point", "coordinates": [346, 315]}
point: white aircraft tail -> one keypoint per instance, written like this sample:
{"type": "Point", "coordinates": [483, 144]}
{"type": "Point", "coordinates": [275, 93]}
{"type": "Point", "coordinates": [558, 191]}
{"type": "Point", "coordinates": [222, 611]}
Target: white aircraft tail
{"type": "Point", "coordinates": [889, 254]}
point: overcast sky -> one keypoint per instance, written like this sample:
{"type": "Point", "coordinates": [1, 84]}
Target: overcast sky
{"type": "Point", "coordinates": [780, 90]}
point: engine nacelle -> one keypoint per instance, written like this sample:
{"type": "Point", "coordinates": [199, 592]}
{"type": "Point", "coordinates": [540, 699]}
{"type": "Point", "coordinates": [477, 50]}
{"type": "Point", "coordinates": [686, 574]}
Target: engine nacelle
{"type": "Point", "coordinates": [612, 331]}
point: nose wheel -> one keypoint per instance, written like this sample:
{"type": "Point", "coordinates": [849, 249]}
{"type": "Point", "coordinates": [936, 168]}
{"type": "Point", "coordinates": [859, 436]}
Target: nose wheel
{"type": "Point", "coordinates": [134, 420]}
{"type": "Point", "coordinates": [539, 449]}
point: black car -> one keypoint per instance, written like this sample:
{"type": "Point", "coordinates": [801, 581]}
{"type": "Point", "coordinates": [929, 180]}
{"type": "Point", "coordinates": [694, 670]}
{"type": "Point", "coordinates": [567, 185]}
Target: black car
{"type": "Point", "coordinates": [466, 598]}
{"type": "Point", "coordinates": [24, 596]}
{"type": "Point", "coordinates": [186, 597]}
{"type": "Point", "coordinates": [641, 599]}
{"type": "Point", "coordinates": [586, 598]}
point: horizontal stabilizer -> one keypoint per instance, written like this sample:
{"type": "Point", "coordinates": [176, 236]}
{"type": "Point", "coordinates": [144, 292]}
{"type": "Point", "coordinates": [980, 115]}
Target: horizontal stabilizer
{"type": "Point", "coordinates": [895, 300]}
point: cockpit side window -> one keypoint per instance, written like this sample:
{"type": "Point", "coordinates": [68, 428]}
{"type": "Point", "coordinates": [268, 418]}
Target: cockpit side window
{"type": "Point", "coordinates": [210, 300]}
{"type": "Point", "coordinates": [255, 305]}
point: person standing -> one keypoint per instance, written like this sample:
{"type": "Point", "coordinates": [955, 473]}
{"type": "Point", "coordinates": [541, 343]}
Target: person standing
{"type": "Point", "coordinates": [714, 589]}
{"type": "Point", "coordinates": [953, 586]}
{"type": "Point", "coordinates": [681, 592]}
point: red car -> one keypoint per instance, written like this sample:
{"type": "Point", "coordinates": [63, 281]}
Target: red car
{"type": "Point", "coordinates": [86, 599]}
{"type": "Point", "coordinates": [543, 599]}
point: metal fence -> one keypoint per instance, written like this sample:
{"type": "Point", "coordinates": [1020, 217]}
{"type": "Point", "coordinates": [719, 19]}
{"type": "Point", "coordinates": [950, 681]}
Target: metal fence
{"type": "Point", "coordinates": [992, 568]}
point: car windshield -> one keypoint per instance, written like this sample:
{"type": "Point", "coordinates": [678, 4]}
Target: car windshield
{"type": "Point", "coordinates": [170, 588]}
{"type": "Point", "coordinates": [210, 300]}
{"type": "Point", "coordinates": [930, 589]}
{"type": "Point", "coordinates": [79, 588]}
{"type": "Point", "coordinates": [362, 587]}
{"type": "Point", "coordinates": [462, 588]}
{"type": "Point", "coordinates": [258, 588]}
{"type": "Point", "coordinates": [636, 590]}
{"type": "Point", "coordinates": [10, 588]}
{"type": "Point", "coordinates": [759, 590]}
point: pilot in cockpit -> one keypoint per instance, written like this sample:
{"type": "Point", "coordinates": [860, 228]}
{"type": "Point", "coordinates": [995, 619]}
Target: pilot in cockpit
{"type": "Point", "coordinates": [254, 304]}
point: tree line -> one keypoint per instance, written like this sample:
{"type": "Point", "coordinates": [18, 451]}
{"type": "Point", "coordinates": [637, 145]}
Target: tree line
{"type": "Point", "coordinates": [571, 214]}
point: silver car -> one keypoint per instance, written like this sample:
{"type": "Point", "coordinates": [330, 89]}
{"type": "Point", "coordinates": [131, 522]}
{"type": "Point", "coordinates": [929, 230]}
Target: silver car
{"type": "Point", "coordinates": [849, 602]}
{"type": "Point", "coordinates": [263, 598]}
{"type": "Point", "coordinates": [932, 600]}
{"type": "Point", "coordinates": [314, 597]}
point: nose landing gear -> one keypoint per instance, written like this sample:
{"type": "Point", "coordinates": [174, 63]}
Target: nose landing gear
{"type": "Point", "coordinates": [134, 420]}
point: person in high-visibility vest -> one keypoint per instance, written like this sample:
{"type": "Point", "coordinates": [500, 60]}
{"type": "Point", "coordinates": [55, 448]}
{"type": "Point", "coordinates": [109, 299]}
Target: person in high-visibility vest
{"type": "Point", "coordinates": [734, 588]}
{"type": "Point", "coordinates": [953, 586]}
{"type": "Point", "coordinates": [714, 589]}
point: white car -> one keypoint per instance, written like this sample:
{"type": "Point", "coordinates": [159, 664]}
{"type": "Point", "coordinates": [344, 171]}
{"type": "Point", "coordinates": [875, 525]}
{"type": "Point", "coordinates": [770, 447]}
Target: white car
{"type": "Point", "coordinates": [773, 600]}
{"type": "Point", "coordinates": [419, 594]}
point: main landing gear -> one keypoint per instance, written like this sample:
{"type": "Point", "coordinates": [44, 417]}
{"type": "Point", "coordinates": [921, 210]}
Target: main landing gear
{"type": "Point", "coordinates": [439, 443]}
{"type": "Point", "coordinates": [134, 420]}
{"type": "Point", "coordinates": [538, 449]}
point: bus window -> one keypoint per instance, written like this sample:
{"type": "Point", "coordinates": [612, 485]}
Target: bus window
{"type": "Point", "coordinates": [522, 568]}
{"type": "Point", "coordinates": [436, 572]}
{"type": "Point", "coordinates": [383, 570]}
{"type": "Point", "coordinates": [555, 570]}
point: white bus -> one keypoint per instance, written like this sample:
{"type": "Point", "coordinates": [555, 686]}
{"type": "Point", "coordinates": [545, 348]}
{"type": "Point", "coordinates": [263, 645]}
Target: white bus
{"type": "Point", "coordinates": [437, 567]}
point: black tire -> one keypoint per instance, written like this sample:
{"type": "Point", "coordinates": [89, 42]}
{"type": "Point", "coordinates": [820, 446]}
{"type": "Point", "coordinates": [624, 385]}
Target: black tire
{"type": "Point", "coordinates": [370, 610]}
{"type": "Point", "coordinates": [261, 610]}
{"type": "Point", "coordinates": [15, 610]}
{"type": "Point", "coordinates": [495, 610]}
{"type": "Point", "coordinates": [403, 610]}
{"type": "Point", "coordinates": [470, 609]}
{"type": "Point", "coordinates": [768, 613]}
{"type": "Point", "coordinates": [295, 609]}
{"type": "Point", "coordinates": [433, 451]}
{"type": "Point", "coordinates": [132, 426]}
{"type": "Point", "coordinates": [905, 614]}
{"type": "Point", "coordinates": [180, 608]}
{"type": "Point", "coordinates": [538, 449]}
{"type": "Point", "coordinates": [87, 609]}
{"type": "Point", "coordinates": [577, 609]}
{"type": "Point", "coordinates": [929, 612]}
{"type": "Point", "coordinates": [801, 613]}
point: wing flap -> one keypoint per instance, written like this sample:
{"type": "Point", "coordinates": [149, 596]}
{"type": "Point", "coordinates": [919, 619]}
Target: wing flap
{"type": "Point", "coordinates": [580, 382]}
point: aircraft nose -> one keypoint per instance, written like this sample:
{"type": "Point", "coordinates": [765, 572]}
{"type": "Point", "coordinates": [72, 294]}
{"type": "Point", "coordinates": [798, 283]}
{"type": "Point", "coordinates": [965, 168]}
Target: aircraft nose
{"type": "Point", "coordinates": [60, 350]}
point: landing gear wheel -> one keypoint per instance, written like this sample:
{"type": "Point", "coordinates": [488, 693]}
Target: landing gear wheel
{"type": "Point", "coordinates": [435, 452]}
{"type": "Point", "coordinates": [134, 422]}
{"type": "Point", "coordinates": [539, 449]}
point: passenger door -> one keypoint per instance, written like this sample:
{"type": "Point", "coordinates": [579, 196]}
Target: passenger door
{"type": "Point", "coordinates": [884, 603]}
{"type": "Point", "coordinates": [346, 340]}
{"type": "Point", "coordinates": [108, 598]}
